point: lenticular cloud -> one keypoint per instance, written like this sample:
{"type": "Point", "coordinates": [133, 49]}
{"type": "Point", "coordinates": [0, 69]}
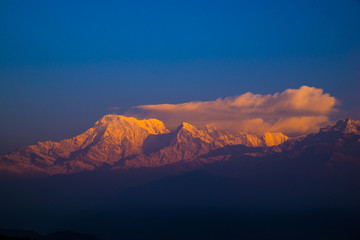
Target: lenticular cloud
{"type": "Point", "coordinates": [293, 112]}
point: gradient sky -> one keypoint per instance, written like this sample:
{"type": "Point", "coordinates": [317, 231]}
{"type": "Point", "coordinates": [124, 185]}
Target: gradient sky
{"type": "Point", "coordinates": [65, 64]}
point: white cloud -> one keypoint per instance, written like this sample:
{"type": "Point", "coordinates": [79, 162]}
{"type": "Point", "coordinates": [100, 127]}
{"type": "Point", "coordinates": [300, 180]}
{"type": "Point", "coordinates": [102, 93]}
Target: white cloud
{"type": "Point", "coordinates": [293, 111]}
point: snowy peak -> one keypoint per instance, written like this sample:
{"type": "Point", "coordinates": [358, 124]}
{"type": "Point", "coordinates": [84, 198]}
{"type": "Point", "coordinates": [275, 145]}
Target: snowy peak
{"type": "Point", "coordinates": [247, 139]}
{"type": "Point", "coordinates": [273, 139]}
{"type": "Point", "coordinates": [186, 126]}
{"type": "Point", "coordinates": [222, 138]}
{"type": "Point", "coordinates": [112, 138]}
{"type": "Point", "coordinates": [115, 122]}
{"type": "Point", "coordinates": [345, 126]}
{"type": "Point", "coordinates": [186, 132]}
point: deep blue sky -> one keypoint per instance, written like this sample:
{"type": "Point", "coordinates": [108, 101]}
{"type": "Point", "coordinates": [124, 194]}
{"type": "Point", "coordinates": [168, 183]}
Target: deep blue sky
{"type": "Point", "coordinates": [63, 64]}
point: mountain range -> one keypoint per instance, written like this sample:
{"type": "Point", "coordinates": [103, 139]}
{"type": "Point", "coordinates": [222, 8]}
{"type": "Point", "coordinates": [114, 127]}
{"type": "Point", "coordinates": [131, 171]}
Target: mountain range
{"type": "Point", "coordinates": [125, 142]}
{"type": "Point", "coordinates": [120, 142]}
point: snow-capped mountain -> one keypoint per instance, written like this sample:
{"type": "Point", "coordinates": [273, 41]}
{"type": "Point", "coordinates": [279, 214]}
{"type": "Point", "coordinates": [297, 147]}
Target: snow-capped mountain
{"type": "Point", "coordinates": [340, 142]}
{"type": "Point", "coordinates": [112, 138]}
{"type": "Point", "coordinates": [125, 142]}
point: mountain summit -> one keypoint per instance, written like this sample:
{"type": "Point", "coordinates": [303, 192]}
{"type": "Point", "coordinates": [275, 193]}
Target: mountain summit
{"type": "Point", "coordinates": [346, 126]}
{"type": "Point", "coordinates": [112, 138]}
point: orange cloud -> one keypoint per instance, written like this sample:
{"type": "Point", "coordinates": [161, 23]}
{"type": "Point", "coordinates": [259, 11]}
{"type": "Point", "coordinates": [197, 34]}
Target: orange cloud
{"type": "Point", "coordinates": [293, 112]}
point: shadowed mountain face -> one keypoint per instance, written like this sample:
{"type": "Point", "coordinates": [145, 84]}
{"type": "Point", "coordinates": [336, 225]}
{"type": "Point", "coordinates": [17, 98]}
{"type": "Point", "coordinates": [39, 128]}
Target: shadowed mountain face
{"type": "Point", "coordinates": [125, 142]}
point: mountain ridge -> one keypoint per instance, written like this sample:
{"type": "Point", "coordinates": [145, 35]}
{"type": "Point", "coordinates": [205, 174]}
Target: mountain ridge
{"type": "Point", "coordinates": [126, 142]}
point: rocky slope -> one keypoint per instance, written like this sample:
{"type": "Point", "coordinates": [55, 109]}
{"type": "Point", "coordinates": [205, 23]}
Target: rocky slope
{"type": "Point", "coordinates": [339, 142]}
{"type": "Point", "coordinates": [118, 141]}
